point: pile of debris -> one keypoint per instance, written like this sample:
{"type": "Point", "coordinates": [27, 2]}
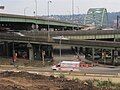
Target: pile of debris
{"type": "Point", "coordinates": [27, 81]}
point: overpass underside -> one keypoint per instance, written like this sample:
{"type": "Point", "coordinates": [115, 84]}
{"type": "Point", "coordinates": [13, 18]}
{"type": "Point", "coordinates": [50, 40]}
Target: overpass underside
{"type": "Point", "coordinates": [19, 22]}
{"type": "Point", "coordinates": [20, 26]}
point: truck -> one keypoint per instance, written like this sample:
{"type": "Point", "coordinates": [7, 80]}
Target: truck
{"type": "Point", "coordinates": [67, 66]}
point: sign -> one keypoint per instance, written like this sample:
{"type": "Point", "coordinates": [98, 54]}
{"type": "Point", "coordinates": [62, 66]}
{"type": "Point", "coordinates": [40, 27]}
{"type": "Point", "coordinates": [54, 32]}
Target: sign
{"type": "Point", "coordinates": [2, 7]}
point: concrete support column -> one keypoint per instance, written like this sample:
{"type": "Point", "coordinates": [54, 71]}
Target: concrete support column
{"type": "Point", "coordinates": [78, 50]}
{"type": "Point", "coordinates": [111, 54]}
{"type": "Point", "coordinates": [7, 50]}
{"type": "Point", "coordinates": [104, 55]}
{"type": "Point", "coordinates": [115, 56]}
{"type": "Point", "coordinates": [30, 48]}
{"type": "Point", "coordinates": [114, 38]}
{"type": "Point", "coordinates": [63, 29]}
{"type": "Point", "coordinates": [31, 54]}
{"type": "Point", "coordinates": [93, 54]}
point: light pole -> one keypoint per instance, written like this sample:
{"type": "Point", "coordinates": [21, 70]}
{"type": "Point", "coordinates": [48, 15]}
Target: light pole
{"type": "Point", "coordinates": [73, 13]}
{"type": "Point", "coordinates": [25, 16]}
{"type": "Point", "coordinates": [48, 18]}
{"type": "Point", "coordinates": [35, 12]}
{"type": "Point", "coordinates": [36, 8]}
{"type": "Point", "coordinates": [2, 7]}
{"type": "Point", "coordinates": [25, 11]}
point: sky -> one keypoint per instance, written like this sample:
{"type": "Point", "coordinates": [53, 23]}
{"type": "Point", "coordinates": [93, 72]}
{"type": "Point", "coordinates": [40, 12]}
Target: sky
{"type": "Point", "coordinates": [57, 7]}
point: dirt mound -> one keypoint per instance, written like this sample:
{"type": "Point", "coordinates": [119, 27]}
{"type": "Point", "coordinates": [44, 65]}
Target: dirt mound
{"type": "Point", "coordinates": [27, 81]}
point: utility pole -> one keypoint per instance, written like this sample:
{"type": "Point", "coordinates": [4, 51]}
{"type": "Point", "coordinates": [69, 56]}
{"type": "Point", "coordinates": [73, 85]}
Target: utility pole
{"type": "Point", "coordinates": [25, 17]}
{"type": "Point", "coordinates": [2, 7]}
{"type": "Point", "coordinates": [48, 8]}
{"type": "Point", "coordinates": [36, 26]}
{"type": "Point", "coordinates": [73, 13]}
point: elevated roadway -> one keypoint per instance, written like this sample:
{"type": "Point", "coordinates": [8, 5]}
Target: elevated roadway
{"type": "Point", "coordinates": [25, 20]}
{"type": "Point", "coordinates": [40, 39]}
{"type": "Point", "coordinates": [80, 35]}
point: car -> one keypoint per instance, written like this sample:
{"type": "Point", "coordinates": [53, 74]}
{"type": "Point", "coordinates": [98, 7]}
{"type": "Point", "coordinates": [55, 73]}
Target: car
{"type": "Point", "coordinates": [96, 56]}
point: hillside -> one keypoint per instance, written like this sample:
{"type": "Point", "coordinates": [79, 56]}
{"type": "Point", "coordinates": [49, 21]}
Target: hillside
{"type": "Point", "coordinates": [79, 18]}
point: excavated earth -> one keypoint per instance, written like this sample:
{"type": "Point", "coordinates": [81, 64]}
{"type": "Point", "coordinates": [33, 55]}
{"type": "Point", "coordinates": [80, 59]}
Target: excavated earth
{"type": "Point", "coordinates": [27, 81]}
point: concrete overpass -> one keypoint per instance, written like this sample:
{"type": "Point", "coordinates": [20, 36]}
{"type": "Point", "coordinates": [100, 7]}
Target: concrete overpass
{"type": "Point", "coordinates": [41, 37]}
{"type": "Point", "coordinates": [19, 22]}
{"type": "Point", "coordinates": [108, 35]}
{"type": "Point", "coordinates": [36, 39]}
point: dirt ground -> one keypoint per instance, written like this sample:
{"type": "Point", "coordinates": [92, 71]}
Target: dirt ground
{"type": "Point", "coordinates": [26, 81]}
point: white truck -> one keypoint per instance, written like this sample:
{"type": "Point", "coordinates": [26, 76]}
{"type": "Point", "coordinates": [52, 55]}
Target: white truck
{"type": "Point", "coordinates": [67, 66]}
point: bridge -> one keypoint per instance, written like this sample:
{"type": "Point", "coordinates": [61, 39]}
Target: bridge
{"type": "Point", "coordinates": [97, 17]}
{"type": "Point", "coordinates": [38, 41]}
{"type": "Point", "coordinates": [110, 35]}
{"type": "Point", "coordinates": [20, 22]}
{"type": "Point", "coordinates": [41, 38]}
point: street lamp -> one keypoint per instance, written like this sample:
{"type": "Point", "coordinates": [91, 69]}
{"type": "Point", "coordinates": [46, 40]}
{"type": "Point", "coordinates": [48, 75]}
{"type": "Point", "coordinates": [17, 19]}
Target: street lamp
{"type": "Point", "coordinates": [73, 13]}
{"type": "Point", "coordinates": [25, 16]}
{"type": "Point", "coordinates": [2, 7]}
{"type": "Point", "coordinates": [25, 10]}
{"type": "Point", "coordinates": [48, 18]}
{"type": "Point", "coordinates": [35, 12]}
{"type": "Point", "coordinates": [36, 7]}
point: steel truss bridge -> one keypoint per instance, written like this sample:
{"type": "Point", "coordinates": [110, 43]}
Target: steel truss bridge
{"type": "Point", "coordinates": [97, 17]}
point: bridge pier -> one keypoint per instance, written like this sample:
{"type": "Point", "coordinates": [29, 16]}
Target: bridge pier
{"type": "Point", "coordinates": [30, 54]}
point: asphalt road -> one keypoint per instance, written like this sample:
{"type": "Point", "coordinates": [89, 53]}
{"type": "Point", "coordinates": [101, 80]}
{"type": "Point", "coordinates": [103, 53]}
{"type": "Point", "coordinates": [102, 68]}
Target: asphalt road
{"type": "Point", "coordinates": [110, 70]}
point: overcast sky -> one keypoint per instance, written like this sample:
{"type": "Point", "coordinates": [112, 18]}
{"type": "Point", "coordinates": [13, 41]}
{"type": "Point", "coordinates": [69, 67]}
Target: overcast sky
{"type": "Point", "coordinates": [57, 7]}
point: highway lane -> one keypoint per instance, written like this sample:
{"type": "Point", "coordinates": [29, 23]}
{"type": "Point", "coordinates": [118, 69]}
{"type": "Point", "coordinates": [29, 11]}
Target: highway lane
{"type": "Point", "coordinates": [84, 70]}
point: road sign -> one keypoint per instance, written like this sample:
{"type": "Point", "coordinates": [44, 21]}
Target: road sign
{"type": "Point", "coordinates": [2, 7]}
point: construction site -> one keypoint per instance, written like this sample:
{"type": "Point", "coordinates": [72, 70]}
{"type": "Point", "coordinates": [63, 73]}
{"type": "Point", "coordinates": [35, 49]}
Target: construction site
{"type": "Point", "coordinates": [39, 53]}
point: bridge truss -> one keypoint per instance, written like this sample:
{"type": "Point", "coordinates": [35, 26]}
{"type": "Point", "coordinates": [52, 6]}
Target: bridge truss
{"type": "Point", "coordinates": [97, 17]}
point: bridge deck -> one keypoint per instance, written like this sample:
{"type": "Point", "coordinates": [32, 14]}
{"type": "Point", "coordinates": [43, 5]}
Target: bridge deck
{"type": "Point", "coordinates": [80, 35]}
{"type": "Point", "coordinates": [35, 20]}
{"type": "Point", "coordinates": [35, 39]}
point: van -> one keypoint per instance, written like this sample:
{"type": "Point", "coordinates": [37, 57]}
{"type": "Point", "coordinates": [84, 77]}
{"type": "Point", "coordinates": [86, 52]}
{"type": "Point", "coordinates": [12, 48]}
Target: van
{"type": "Point", "coordinates": [67, 66]}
